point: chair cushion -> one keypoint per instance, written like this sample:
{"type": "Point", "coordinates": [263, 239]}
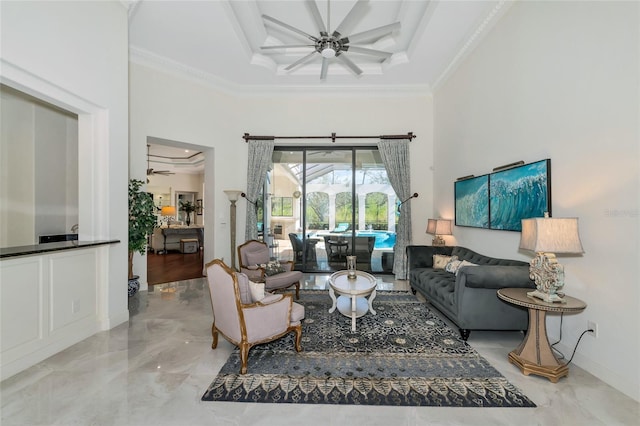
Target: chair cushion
{"type": "Point", "coordinates": [273, 268]}
{"type": "Point", "coordinates": [245, 290]}
{"type": "Point", "coordinates": [282, 280]}
{"type": "Point", "coordinates": [257, 257]}
{"type": "Point", "coordinates": [297, 313]}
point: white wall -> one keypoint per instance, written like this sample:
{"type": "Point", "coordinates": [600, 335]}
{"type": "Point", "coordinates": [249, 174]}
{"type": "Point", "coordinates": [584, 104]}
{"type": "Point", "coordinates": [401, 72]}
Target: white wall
{"type": "Point", "coordinates": [560, 80]}
{"type": "Point", "coordinates": [75, 56]}
{"type": "Point", "coordinates": [170, 107]}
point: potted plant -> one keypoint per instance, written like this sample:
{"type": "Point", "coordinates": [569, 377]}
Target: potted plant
{"type": "Point", "coordinates": [188, 207]}
{"type": "Point", "coordinates": [142, 220]}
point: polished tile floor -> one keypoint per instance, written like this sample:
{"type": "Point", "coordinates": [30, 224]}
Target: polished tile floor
{"type": "Point", "coordinates": [153, 371]}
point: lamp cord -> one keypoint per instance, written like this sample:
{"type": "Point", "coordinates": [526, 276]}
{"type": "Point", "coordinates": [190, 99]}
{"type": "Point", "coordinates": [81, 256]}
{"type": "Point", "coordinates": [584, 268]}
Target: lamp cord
{"type": "Point", "coordinates": [560, 338]}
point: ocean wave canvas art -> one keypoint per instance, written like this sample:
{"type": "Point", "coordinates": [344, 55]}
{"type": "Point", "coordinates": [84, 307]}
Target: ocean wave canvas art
{"type": "Point", "coordinates": [472, 202]}
{"type": "Point", "coordinates": [519, 193]}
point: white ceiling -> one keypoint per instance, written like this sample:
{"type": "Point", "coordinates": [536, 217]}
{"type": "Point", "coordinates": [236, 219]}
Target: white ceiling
{"type": "Point", "coordinates": [219, 41]}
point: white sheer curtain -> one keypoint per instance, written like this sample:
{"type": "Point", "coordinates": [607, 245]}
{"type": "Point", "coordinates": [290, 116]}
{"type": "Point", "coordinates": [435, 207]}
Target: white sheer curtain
{"type": "Point", "coordinates": [395, 156]}
{"type": "Point", "coordinates": [260, 153]}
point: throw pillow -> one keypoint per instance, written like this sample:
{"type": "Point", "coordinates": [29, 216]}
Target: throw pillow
{"type": "Point", "coordinates": [464, 263]}
{"type": "Point", "coordinates": [440, 261]}
{"type": "Point", "coordinates": [274, 267]}
{"type": "Point", "coordinates": [453, 265]}
{"type": "Point", "coordinates": [257, 291]}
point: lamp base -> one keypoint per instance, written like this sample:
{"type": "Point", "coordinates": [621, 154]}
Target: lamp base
{"type": "Point", "coordinates": [550, 298]}
{"type": "Point", "coordinates": [438, 241]}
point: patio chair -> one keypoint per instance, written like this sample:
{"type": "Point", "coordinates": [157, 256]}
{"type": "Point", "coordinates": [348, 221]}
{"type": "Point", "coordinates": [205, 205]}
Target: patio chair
{"type": "Point", "coordinates": [296, 246]}
{"type": "Point", "coordinates": [253, 254]}
{"type": "Point", "coordinates": [246, 322]}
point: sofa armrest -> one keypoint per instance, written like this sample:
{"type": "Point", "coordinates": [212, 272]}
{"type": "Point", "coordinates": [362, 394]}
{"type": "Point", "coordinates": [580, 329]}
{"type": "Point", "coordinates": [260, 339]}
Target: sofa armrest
{"type": "Point", "coordinates": [422, 256]}
{"type": "Point", "coordinates": [496, 277]}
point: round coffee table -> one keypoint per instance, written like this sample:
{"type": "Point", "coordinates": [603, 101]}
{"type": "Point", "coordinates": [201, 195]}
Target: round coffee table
{"type": "Point", "coordinates": [352, 292]}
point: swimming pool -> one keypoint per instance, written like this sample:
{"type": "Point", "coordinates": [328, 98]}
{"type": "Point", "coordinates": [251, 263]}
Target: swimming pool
{"type": "Point", "coordinates": [384, 239]}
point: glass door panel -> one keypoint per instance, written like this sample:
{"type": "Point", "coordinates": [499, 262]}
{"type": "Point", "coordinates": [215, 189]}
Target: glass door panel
{"type": "Point", "coordinates": [323, 204]}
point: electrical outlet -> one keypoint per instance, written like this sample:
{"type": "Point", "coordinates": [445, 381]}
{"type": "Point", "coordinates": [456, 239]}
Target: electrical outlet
{"type": "Point", "coordinates": [593, 326]}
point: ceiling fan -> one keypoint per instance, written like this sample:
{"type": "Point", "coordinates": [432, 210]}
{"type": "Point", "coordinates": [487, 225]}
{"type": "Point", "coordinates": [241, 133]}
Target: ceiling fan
{"type": "Point", "coordinates": [336, 44]}
{"type": "Point", "coordinates": [150, 171]}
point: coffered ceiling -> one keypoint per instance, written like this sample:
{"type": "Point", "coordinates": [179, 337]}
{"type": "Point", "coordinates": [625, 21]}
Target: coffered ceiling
{"type": "Point", "coordinates": [220, 42]}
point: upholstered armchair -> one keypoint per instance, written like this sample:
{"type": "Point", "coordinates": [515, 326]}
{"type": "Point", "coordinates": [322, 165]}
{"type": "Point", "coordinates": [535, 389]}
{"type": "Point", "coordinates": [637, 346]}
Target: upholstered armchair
{"type": "Point", "coordinates": [247, 316]}
{"type": "Point", "coordinates": [253, 254]}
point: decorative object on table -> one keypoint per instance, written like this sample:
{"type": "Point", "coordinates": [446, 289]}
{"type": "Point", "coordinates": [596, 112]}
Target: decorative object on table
{"type": "Point", "coordinates": [199, 207]}
{"type": "Point", "coordinates": [169, 212]}
{"type": "Point", "coordinates": [351, 267]}
{"type": "Point", "coordinates": [535, 355]}
{"type": "Point", "coordinates": [417, 361]}
{"type": "Point", "coordinates": [188, 207]}
{"type": "Point", "coordinates": [547, 236]}
{"type": "Point", "coordinates": [141, 224]}
{"type": "Point", "coordinates": [232, 195]}
{"type": "Point", "coordinates": [439, 227]}
{"type": "Point", "coordinates": [500, 200]}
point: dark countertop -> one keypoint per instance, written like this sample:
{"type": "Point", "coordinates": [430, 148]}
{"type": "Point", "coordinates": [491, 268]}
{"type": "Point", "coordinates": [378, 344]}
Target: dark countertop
{"type": "Point", "coordinates": [8, 252]}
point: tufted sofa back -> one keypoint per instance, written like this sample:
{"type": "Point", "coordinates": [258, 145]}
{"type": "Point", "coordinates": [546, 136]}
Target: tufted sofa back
{"type": "Point", "coordinates": [464, 253]}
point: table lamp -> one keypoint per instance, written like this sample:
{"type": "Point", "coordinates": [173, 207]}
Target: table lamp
{"type": "Point", "coordinates": [546, 236]}
{"type": "Point", "coordinates": [169, 212]}
{"type": "Point", "coordinates": [439, 227]}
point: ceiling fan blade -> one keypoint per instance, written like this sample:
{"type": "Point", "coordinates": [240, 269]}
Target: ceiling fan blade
{"type": "Point", "coordinates": [325, 67]}
{"type": "Point", "coordinates": [373, 33]}
{"type": "Point", "coordinates": [289, 27]}
{"type": "Point", "coordinates": [315, 12]}
{"type": "Point", "coordinates": [349, 63]}
{"type": "Point", "coordinates": [356, 12]}
{"type": "Point", "coordinates": [366, 51]}
{"type": "Point", "coordinates": [287, 46]}
{"type": "Point", "coordinates": [301, 61]}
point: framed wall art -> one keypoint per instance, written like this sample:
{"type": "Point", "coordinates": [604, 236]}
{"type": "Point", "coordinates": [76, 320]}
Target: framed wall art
{"type": "Point", "coordinates": [519, 193]}
{"type": "Point", "coordinates": [472, 202]}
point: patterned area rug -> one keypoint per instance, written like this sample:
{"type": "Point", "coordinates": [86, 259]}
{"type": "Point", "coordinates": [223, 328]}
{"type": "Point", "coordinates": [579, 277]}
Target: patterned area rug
{"type": "Point", "coordinates": [403, 356]}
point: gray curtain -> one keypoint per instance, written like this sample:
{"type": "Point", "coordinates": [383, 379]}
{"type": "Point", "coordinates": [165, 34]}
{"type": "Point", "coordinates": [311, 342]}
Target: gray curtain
{"type": "Point", "coordinates": [395, 156]}
{"type": "Point", "coordinates": [260, 153]}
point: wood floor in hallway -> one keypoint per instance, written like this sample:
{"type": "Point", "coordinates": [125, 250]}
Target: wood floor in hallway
{"type": "Point", "coordinates": [173, 266]}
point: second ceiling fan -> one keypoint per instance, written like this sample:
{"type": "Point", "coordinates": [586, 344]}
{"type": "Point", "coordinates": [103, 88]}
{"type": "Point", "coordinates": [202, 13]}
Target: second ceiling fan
{"type": "Point", "coordinates": [336, 44]}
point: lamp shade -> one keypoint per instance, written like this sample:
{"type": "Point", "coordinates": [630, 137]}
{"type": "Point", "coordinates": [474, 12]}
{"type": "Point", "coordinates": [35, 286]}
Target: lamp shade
{"type": "Point", "coordinates": [439, 227]}
{"type": "Point", "coordinates": [551, 235]}
{"type": "Point", "coordinates": [168, 211]}
{"type": "Point", "coordinates": [233, 194]}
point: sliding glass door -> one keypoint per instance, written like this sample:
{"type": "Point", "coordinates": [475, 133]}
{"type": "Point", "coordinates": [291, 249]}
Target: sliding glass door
{"type": "Point", "coordinates": [323, 204]}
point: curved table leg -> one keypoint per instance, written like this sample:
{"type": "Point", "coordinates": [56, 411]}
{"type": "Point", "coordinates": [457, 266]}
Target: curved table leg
{"type": "Point", "coordinates": [373, 296]}
{"type": "Point", "coordinates": [333, 297]}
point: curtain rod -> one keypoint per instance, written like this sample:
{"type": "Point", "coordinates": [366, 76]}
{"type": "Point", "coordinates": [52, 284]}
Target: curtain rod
{"type": "Point", "coordinates": [247, 137]}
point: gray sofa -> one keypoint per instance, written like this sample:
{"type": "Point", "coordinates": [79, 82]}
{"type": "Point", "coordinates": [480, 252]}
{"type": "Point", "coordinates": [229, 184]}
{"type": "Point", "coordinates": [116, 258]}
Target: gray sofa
{"type": "Point", "coordinates": [469, 299]}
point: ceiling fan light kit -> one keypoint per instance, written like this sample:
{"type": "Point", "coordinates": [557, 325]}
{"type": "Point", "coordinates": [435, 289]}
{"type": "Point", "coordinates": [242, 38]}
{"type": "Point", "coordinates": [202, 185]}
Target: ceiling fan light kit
{"type": "Point", "coordinates": [336, 45]}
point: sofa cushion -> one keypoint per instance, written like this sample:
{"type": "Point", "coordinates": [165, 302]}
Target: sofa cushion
{"type": "Point", "coordinates": [440, 285]}
{"type": "Point", "coordinates": [498, 276]}
{"type": "Point", "coordinates": [453, 265]}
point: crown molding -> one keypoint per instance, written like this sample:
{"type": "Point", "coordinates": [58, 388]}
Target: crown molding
{"type": "Point", "coordinates": [169, 66]}
{"type": "Point", "coordinates": [473, 40]}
